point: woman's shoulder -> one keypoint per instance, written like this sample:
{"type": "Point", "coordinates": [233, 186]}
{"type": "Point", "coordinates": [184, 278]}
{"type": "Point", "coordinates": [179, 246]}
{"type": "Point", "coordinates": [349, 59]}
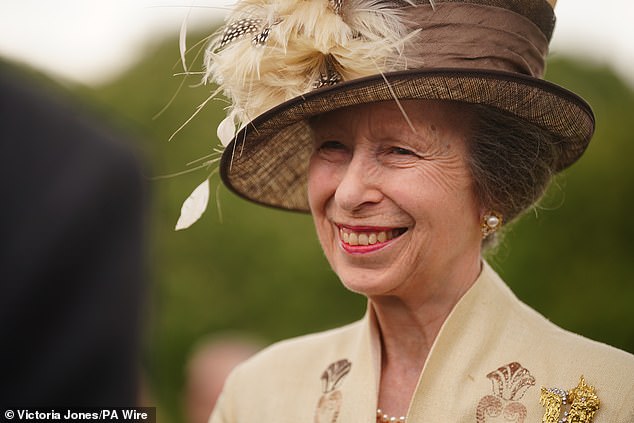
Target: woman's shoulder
{"type": "Point", "coordinates": [538, 332]}
{"type": "Point", "coordinates": [565, 351]}
{"type": "Point", "coordinates": [559, 358]}
{"type": "Point", "coordinates": [557, 344]}
{"type": "Point", "coordinates": [556, 357]}
{"type": "Point", "coordinates": [293, 368]}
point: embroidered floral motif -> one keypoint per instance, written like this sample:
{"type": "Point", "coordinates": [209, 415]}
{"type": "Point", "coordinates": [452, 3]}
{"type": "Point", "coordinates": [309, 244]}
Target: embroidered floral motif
{"type": "Point", "coordinates": [330, 402]}
{"type": "Point", "coordinates": [510, 383]}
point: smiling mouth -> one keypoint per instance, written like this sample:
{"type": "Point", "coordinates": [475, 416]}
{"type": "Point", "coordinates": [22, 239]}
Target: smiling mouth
{"type": "Point", "coordinates": [364, 239]}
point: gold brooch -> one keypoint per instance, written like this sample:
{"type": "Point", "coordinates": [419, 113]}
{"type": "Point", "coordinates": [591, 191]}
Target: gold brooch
{"type": "Point", "coordinates": [578, 404]}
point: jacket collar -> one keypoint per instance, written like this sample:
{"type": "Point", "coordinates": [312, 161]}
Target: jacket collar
{"type": "Point", "coordinates": [462, 351]}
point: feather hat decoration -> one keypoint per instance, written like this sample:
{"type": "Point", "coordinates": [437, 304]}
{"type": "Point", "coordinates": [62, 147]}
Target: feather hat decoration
{"type": "Point", "coordinates": [272, 51]}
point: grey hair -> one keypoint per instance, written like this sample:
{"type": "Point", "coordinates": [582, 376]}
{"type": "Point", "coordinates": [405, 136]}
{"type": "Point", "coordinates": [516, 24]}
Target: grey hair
{"type": "Point", "coordinates": [511, 162]}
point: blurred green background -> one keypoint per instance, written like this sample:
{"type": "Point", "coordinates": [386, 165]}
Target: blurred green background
{"type": "Point", "coordinates": [261, 271]}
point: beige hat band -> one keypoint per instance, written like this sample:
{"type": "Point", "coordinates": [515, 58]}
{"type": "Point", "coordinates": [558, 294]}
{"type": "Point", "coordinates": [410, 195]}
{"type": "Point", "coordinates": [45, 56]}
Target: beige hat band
{"type": "Point", "coordinates": [476, 36]}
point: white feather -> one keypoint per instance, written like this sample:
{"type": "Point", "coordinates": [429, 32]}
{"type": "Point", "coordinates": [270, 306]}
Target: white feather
{"type": "Point", "coordinates": [194, 206]}
{"type": "Point", "coordinates": [226, 130]}
{"type": "Point", "coordinates": [182, 41]}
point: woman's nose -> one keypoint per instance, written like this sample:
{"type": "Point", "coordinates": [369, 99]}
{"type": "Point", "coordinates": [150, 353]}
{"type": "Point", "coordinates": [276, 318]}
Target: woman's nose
{"type": "Point", "coordinates": [359, 185]}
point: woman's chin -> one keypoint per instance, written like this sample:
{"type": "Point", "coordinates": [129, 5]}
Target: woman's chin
{"type": "Point", "coordinates": [368, 285]}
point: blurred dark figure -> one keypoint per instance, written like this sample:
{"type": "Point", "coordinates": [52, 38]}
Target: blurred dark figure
{"type": "Point", "coordinates": [71, 253]}
{"type": "Point", "coordinates": [209, 364]}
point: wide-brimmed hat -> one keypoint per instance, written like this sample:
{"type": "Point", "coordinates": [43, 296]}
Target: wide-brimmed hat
{"type": "Point", "coordinates": [282, 62]}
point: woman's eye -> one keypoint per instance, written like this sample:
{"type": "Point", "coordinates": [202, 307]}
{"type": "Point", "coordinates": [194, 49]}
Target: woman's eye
{"type": "Point", "coordinates": [332, 151]}
{"type": "Point", "coordinates": [332, 146]}
{"type": "Point", "coordinates": [403, 151]}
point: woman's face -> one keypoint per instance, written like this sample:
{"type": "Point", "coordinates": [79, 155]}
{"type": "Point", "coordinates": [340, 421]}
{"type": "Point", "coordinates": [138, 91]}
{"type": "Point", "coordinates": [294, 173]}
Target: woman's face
{"type": "Point", "coordinates": [394, 208]}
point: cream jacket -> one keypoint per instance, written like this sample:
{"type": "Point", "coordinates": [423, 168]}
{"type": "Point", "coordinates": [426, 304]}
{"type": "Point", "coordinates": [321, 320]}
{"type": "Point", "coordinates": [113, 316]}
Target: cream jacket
{"type": "Point", "coordinates": [489, 363]}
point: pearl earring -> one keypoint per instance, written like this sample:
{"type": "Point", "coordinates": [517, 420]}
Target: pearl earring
{"type": "Point", "coordinates": [491, 222]}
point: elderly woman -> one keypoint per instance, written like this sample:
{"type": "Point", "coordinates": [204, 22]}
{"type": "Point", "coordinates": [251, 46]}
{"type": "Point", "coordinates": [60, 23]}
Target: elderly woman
{"type": "Point", "coordinates": [411, 131]}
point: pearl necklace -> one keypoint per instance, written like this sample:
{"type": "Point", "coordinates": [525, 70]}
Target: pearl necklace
{"type": "Point", "coordinates": [384, 418]}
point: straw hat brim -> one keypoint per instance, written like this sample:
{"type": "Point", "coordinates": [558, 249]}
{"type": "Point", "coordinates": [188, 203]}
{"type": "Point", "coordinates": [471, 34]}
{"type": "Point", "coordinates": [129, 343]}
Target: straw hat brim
{"type": "Point", "coordinates": [268, 159]}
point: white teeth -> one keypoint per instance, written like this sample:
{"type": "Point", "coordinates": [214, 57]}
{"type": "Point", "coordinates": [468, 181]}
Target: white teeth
{"type": "Point", "coordinates": [367, 238]}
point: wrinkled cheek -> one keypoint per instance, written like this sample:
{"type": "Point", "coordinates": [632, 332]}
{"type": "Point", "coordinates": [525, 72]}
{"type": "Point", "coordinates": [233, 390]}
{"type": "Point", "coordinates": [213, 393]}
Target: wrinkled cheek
{"type": "Point", "coordinates": [321, 186]}
{"type": "Point", "coordinates": [317, 199]}
{"type": "Point", "coordinates": [313, 185]}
